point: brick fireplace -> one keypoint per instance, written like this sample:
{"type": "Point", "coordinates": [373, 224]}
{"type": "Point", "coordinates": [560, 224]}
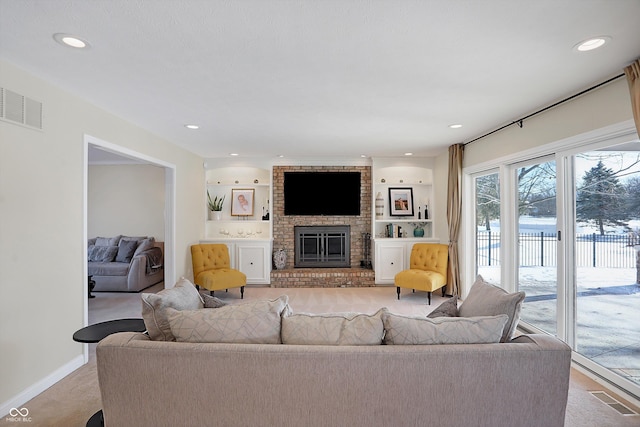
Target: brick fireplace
{"type": "Point", "coordinates": [284, 234]}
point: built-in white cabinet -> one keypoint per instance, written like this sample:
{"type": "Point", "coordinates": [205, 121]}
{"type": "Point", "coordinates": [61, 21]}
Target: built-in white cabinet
{"type": "Point", "coordinates": [247, 234]}
{"type": "Point", "coordinates": [389, 260]}
{"type": "Point", "coordinates": [251, 256]}
{"type": "Point", "coordinates": [393, 225]}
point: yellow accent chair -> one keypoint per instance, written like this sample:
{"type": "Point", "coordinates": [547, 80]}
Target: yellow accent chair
{"type": "Point", "coordinates": [212, 268]}
{"type": "Point", "coordinates": [427, 269]}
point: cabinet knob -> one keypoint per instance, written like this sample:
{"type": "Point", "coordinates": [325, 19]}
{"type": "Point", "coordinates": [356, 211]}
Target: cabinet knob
{"type": "Point", "coordinates": [251, 263]}
{"type": "Point", "coordinates": [391, 263]}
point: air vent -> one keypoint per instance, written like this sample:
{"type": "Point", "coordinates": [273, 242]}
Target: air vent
{"type": "Point", "coordinates": [613, 403]}
{"type": "Point", "coordinates": [19, 109]}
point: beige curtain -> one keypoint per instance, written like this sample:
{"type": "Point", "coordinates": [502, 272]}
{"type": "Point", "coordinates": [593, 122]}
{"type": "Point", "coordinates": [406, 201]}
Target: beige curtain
{"type": "Point", "coordinates": [633, 77]}
{"type": "Point", "coordinates": [454, 211]}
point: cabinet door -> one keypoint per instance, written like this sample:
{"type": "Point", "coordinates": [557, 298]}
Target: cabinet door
{"type": "Point", "coordinates": [390, 260]}
{"type": "Point", "coordinates": [252, 260]}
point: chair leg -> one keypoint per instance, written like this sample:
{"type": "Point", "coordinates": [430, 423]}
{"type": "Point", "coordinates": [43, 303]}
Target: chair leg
{"type": "Point", "coordinates": [429, 297]}
{"type": "Point", "coordinates": [413, 291]}
{"type": "Point", "coordinates": [241, 292]}
{"type": "Point", "coordinates": [443, 289]}
{"type": "Point", "coordinates": [398, 290]}
{"type": "Point", "coordinates": [211, 293]}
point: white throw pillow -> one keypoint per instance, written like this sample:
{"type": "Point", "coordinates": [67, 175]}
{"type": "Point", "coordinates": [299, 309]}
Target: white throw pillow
{"type": "Point", "coordinates": [407, 330]}
{"type": "Point", "coordinates": [333, 329]}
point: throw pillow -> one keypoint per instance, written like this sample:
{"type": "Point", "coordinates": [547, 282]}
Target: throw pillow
{"type": "Point", "coordinates": [183, 296]}
{"type": "Point", "coordinates": [212, 302]}
{"type": "Point", "coordinates": [126, 248]}
{"type": "Point", "coordinates": [333, 329]}
{"type": "Point", "coordinates": [449, 308]}
{"type": "Point", "coordinates": [404, 330]}
{"type": "Point", "coordinates": [485, 299]}
{"type": "Point", "coordinates": [253, 322]}
{"type": "Point", "coordinates": [144, 245]}
{"type": "Point", "coordinates": [102, 253]}
{"type": "Point", "coordinates": [107, 241]}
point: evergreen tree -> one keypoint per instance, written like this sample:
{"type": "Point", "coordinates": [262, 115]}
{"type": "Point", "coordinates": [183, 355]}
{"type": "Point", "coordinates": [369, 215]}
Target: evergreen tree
{"type": "Point", "coordinates": [633, 199]}
{"type": "Point", "coordinates": [601, 199]}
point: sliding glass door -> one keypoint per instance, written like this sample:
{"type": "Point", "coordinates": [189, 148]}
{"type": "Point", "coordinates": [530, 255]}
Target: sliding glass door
{"type": "Point", "coordinates": [565, 228]}
{"type": "Point", "coordinates": [607, 264]}
{"type": "Point", "coordinates": [536, 243]}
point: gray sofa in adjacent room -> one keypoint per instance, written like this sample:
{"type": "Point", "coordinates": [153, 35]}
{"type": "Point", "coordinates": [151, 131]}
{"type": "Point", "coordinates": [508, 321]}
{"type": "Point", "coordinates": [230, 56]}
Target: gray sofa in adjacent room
{"type": "Point", "coordinates": [124, 263]}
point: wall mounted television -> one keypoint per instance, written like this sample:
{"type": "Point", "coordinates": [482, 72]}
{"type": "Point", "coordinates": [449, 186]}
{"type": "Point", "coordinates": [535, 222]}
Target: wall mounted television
{"type": "Point", "coordinates": [322, 193]}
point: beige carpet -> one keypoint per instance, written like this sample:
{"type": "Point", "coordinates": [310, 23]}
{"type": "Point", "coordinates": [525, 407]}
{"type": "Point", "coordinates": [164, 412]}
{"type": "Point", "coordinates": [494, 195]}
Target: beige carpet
{"type": "Point", "coordinates": [73, 400]}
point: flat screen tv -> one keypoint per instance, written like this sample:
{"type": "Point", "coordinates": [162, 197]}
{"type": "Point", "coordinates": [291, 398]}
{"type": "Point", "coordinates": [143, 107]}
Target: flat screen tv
{"type": "Point", "coordinates": [322, 193]}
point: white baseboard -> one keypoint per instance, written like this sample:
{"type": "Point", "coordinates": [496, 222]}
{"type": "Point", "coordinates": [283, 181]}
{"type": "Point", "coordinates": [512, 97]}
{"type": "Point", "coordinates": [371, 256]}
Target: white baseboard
{"type": "Point", "coordinates": [19, 400]}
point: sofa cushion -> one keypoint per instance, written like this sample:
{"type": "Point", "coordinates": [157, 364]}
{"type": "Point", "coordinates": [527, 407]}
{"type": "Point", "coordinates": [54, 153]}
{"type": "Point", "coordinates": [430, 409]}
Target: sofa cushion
{"type": "Point", "coordinates": [485, 299]}
{"type": "Point", "coordinates": [126, 248]}
{"type": "Point", "coordinates": [102, 253]}
{"type": "Point", "coordinates": [107, 241]}
{"type": "Point", "coordinates": [449, 308]}
{"type": "Point", "coordinates": [333, 329]}
{"type": "Point", "coordinates": [253, 322]}
{"type": "Point", "coordinates": [183, 296]}
{"type": "Point", "coordinates": [408, 330]}
{"type": "Point", "coordinates": [107, 268]}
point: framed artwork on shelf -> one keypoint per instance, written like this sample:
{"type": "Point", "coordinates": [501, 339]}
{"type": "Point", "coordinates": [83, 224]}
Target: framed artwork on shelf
{"type": "Point", "coordinates": [401, 201]}
{"type": "Point", "coordinates": [242, 201]}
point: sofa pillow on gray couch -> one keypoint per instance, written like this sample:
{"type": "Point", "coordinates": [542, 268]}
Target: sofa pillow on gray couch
{"type": "Point", "coordinates": [485, 299]}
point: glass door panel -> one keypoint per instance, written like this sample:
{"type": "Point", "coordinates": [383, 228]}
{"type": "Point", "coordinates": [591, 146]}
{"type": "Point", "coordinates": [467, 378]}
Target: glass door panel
{"type": "Point", "coordinates": [537, 244]}
{"type": "Point", "coordinates": [487, 239]}
{"type": "Point", "coordinates": [607, 243]}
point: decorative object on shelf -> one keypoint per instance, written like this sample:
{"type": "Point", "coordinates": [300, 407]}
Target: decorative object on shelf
{"type": "Point", "coordinates": [265, 216]}
{"type": "Point", "coordinates": [280, 259]}
{"type": "Point", "coordinates": [383, 180]}
{"type": "Point", "coordinates": [215, 206]}
{"type": "Point", "coordinates": [242, 204]}
{"type": "Point", "coordinates": [379, 205]}
{"type": "Point", "coordinates": [401, 201]}
{"type": "Point", "coordinates": [255, 181]}
{"type": "Point", "coordinates": [418, 230]}
{"type": "Point", "coordinates": [426, 211]}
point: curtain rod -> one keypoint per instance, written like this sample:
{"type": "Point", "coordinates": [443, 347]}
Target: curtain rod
{"type": "Point", "coordinates": [519, 121]}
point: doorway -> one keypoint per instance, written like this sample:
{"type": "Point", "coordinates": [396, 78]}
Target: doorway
{"type": "Point", "coordinates": [105, 150]}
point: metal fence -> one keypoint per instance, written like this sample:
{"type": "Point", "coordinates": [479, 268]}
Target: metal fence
{"type": "Point", "coordinates": [540, 249]}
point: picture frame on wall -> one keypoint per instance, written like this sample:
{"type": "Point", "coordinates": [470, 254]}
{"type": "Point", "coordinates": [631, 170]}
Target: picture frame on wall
{"type": "Point", "coordinates": [242, 201]}
{"type": "Point", "coordinates": [401, 201]}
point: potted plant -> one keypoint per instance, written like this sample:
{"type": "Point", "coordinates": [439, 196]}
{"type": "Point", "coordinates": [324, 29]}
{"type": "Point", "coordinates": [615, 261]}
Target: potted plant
{"type": "Point", "coordinates": [215, 206]}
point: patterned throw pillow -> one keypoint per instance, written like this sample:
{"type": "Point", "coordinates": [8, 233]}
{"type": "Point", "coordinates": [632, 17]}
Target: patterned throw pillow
{"type": "Point", "coordinates": [333, 329]}
{"type": "Point", "coordinates": [253, 322]}
{"type": "Point", "coordinates": [485, 299]}
{"type": "Point", "coordinates": [405, 330]}
{"type": "Point", "coordinates": [183, 296]}
{"type": "Point", "coordinates": [212, 302]}
{"type": "Point", "coordinates": [102, 253]}
{"type": "Point", "coordinates": [449, 308]}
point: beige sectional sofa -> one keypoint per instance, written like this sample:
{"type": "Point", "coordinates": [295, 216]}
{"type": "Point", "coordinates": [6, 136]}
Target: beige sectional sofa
{"type": "Point", "coordinates": [259, 363]}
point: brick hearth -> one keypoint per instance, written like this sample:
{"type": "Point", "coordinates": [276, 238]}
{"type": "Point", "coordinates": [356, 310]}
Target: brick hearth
{"type": "Point", "coordinates": [322, 277]}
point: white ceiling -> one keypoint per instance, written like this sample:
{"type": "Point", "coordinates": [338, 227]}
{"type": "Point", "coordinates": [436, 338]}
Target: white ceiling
{"type": "Point", "coordinates": [333, 78]}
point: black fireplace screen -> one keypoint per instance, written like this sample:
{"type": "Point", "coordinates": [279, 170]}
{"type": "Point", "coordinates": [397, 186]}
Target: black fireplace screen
{"type": "Point", "coordinates": [322, 246]}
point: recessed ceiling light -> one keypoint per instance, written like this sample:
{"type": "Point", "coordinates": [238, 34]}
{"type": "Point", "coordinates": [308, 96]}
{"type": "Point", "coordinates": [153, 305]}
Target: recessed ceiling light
{"type": "Point", "coordinates": [455, 126]}
{"type": "Point", "coordinates": [193, 127]}
{"type": "Point", "coordinates": [281, 155]}
{"type": "Point", "coordinates": [592, 43]}
{"type": "Point", "coordinates": [364, 156]}
{"type": "Point", "coordinates": [71, 41]}
{"type": "Point", "coordinates": [233, 154]}
{"type": "Point", "coordinates": [408, 154]}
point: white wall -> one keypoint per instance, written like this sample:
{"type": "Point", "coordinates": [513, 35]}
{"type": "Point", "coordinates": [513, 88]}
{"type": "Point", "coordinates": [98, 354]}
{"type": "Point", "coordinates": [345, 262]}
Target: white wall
{"type": "Point", "coordinates": [127, 200]}
{"type": "Point", "coordinates": [42, 247]}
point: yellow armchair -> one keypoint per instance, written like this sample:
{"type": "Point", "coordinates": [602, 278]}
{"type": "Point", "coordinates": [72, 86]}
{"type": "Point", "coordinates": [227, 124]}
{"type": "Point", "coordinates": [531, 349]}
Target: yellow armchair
{"type": "Point", "coordinates": [212, 268]}
{"type": "Point", "coordinates": [427, 269]}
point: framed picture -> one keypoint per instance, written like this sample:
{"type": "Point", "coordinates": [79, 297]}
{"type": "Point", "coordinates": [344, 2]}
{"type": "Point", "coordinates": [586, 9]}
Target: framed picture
{"type": "Point", "coordinates": [401, 201]}
{"type": "Point", "coordinates": [242, 201]}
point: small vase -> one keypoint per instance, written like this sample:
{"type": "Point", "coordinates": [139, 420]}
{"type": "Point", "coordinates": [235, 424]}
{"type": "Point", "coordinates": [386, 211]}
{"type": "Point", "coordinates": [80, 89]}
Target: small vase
{"type": "Point", "coordinates": [418, 232]}
{"type": "Point", "coordinates": [280, 259]}
{"type": "Point", "coordinates": [215, 215]}
{"type": "Point", "coordinates": [379, 205]}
